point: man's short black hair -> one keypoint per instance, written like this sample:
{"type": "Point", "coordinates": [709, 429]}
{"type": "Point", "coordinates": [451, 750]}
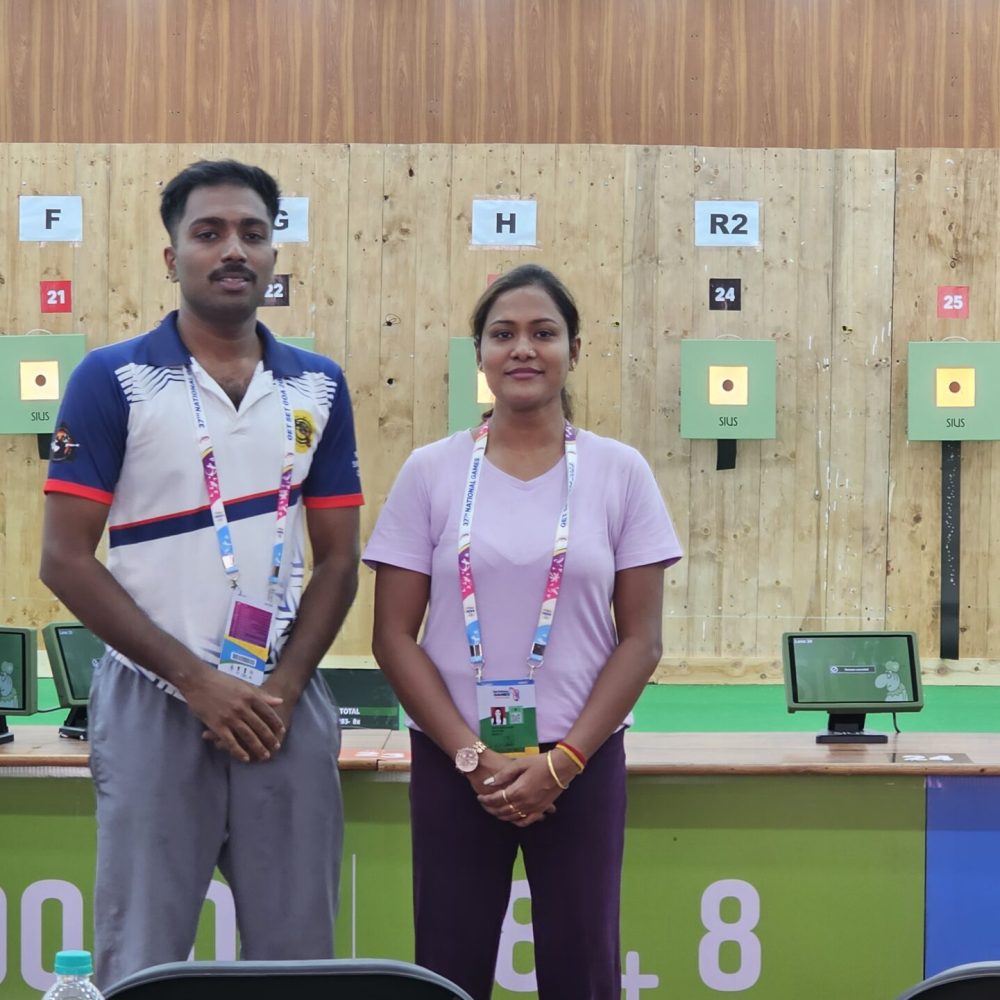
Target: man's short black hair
{"type": "Point", "coordinates": [215, 173]}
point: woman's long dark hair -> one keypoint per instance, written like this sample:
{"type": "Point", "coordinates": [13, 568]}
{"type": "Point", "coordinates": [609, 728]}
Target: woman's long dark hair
{"type": "Point", "coordinates": [524, 276]}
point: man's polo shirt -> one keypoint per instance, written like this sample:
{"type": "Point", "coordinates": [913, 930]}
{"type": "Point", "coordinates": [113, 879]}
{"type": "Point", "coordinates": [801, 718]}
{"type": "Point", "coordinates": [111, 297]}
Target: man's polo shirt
{"type": "Point", "coordinates": [126, 436]}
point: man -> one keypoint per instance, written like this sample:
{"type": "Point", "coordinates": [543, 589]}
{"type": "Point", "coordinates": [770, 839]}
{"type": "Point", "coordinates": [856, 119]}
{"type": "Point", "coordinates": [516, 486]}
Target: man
{"type": "Point", "coordinates": [204, 445]}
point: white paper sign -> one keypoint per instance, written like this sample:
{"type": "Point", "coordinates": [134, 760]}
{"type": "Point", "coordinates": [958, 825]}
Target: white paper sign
{"type": "Point", "coordinates": [504, 223]}
{"type": "Point", "coordinates": [51, 218]}
{"type": "Point", "coordinates": [292, 223]}
{"type": "Point", "coordinates": [727, 223]}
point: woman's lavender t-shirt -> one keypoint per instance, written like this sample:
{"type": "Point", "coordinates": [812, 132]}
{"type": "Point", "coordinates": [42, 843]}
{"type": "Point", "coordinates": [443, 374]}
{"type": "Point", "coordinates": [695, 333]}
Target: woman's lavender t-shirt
{"type": "Point", "coordinates": [617, 520]}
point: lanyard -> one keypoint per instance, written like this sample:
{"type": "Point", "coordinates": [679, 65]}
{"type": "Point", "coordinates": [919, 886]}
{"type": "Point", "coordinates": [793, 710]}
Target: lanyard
{"type": "Point", "coordinates": [553, 584]}
{"type": "Point", "coordinates": [211, 473]}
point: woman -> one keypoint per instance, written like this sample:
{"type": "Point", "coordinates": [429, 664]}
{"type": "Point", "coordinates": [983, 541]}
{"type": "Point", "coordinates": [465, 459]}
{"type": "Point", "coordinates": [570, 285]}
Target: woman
{"type": "Point", "coordinates": [518, 539]}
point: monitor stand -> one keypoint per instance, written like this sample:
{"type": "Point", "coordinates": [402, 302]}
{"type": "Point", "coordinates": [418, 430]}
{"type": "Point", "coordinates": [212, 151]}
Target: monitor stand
{"type": "Point", "coordinates": [75, 726]}
{"type": "Point", "coordinates": [849, 729]}
{"type": "Point", "coordinates": [6, 736]}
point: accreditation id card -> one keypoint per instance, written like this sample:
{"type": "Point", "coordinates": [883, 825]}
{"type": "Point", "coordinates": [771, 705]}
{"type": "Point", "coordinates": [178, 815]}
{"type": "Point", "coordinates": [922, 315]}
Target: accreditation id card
{"type": "Point", "coordinates": [247, 639]}
{"type": "Point", "coordinates": [507, 716]}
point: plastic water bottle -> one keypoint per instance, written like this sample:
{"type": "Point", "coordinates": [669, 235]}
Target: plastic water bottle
{"type": "Point", "coordinates": [73, 971]}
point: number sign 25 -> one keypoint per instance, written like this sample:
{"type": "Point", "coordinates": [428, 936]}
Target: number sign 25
{"type": "Point", "coordinates": [953, 302]}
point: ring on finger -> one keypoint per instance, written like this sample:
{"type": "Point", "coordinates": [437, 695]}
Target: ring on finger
{"type": "Point", "coordinates": [522, 815]}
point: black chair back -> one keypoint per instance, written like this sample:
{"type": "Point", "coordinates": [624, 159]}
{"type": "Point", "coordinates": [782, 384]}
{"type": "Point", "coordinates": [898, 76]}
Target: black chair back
{"type": "Point", "coordinates": [354, 978]}
{"type": "Point", "coordinates": [976, 981]}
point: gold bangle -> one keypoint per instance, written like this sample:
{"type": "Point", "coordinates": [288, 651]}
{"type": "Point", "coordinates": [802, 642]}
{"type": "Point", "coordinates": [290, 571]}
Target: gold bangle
{"type": "Point", "coordinates": [576, 760]}
{"type": "Point", "coordinates": [552, 771]}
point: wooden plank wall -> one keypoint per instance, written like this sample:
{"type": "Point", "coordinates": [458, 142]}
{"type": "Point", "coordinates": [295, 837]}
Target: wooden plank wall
{"type": "Point", "coordinates": [795, 536]}
{"type": "Point", "coordinates": [947, 233]}
{"type": "Point", "coordinates": [728, 73]}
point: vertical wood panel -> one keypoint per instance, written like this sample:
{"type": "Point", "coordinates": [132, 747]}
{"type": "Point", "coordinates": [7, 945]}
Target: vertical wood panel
{"type": "Point", "coordinates": [922, 178]}
{"type": "Point", "coordinates": [856, 336]}
{"type": "Point", "coordinates": [862, 262]}
{"type": "Point", "coordinates": [812, 432]}
{"type": "Point", "coordinates": [673, 456]}
{"type": "Point", "coordinates": [431, 332]}
{"type": "Point", "coordinates": [640, 275]}
{"type": "Point", "coordinates": [793, 213]}
{"type": "Point", "coordinates": [397, 391]}
{"type": "Point", "coordinates": [362, 362]}
{"type": "Point", "coordinates": [91, 270]}
{"type": "Point", "coordinates": [599, 287]}
{"type": "Point", "coordinates": [322, 283]}
{"type": "Point", "coordinates": [947, 233]}
{"type": "Point", "coordinates": [468, 269]}
{"type": "Point", "coordinates": [138, 292]}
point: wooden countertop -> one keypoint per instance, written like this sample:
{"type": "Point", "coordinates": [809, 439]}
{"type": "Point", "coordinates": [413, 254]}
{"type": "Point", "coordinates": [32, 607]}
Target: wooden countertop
{"type": "Point", "coordinates": [42, 746]}
{"type": "Point", "coordinates": [785, 753]}
{"type": "Point", "coordinates": [647, 753]}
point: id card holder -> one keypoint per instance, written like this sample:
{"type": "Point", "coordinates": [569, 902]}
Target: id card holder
{"type": "Point", "coordinates": [507, 716]}
{"type": "Point", "coordinates": [247, 639]}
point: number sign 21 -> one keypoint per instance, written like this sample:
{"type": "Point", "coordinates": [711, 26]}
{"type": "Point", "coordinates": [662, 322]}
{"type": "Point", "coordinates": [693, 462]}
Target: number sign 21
{"type": "Point", "coordinates": [56, 296]}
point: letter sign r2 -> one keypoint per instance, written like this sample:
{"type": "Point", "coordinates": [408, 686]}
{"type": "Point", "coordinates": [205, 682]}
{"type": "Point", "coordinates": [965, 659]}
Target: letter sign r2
{"type": "Point", "coordinates": [727, 223]}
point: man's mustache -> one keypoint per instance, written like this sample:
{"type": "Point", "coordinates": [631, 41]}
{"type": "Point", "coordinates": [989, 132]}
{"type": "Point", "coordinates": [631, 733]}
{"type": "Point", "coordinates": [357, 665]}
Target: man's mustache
{"type": "Point", "coordinates": [233, 271]}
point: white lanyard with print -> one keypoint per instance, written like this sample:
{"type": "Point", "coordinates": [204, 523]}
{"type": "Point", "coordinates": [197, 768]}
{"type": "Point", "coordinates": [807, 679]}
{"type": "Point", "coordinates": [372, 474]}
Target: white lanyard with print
{"type": "Point", "coordinates": [247, 638]}
{"type": "Point", "coordinates": [506, 708]}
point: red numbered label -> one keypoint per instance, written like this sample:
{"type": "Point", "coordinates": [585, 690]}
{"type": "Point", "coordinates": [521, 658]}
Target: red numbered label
{"type": "Point", "coordinates": [953, 302]}
{"type": "Point", "coordinates": [57, 296]}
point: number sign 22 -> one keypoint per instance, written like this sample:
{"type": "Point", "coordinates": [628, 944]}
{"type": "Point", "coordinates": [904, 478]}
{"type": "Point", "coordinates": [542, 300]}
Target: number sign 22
{"type": "Point", "coordinates": [277, 292]}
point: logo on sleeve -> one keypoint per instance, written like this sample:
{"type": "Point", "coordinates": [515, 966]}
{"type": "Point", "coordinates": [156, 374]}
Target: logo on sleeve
{"type": "Point", "coordinates": [305, 431]}
{"type": "Point", "coordinates": [63, 447]}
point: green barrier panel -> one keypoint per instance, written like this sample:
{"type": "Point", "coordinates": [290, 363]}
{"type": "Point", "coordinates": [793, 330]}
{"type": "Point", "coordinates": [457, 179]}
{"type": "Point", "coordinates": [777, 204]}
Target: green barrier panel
{"type": "Point", "coordinates": [764, 887]}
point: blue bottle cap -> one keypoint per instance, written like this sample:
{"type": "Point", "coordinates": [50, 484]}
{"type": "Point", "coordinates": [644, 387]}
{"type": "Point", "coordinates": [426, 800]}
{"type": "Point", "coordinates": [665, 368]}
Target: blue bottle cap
{"type": "Point", "coordinates": [74, 963]}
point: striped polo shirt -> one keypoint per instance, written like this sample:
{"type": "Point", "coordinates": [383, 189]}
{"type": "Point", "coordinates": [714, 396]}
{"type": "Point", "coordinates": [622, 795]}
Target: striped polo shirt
{"type": "Point", "coordinates": [126, 437]}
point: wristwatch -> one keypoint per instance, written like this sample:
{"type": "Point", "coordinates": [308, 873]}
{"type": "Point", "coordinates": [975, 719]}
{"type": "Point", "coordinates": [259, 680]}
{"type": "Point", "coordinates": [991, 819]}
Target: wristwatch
{"type": "Point", "coordinates": [467, 759]}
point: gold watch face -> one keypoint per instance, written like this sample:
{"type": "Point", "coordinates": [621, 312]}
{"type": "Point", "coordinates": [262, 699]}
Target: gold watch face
{"type": "Point", "coordinates": [467, 759]}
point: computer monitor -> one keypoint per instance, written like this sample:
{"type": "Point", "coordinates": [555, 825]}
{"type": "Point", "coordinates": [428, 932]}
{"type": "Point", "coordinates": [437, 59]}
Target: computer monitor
{"type": "Point", "coordinates": [74, 651]}
{"type": "Point", "coordinates": [18, 675]}
{"type": "Point", "coordinates": [365, 699]}
{"type": "Point", "coordinates": [848, 675]}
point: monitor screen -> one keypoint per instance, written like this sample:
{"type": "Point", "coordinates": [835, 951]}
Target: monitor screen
{"type": "Point", "coordinates": [74, 651]}
{"type": "Point", "coordinates": [365, 699]}
{"type": "Point", "coordinates": [852, 672]}
{"type": "Point", "coordinates": [18, 671]}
